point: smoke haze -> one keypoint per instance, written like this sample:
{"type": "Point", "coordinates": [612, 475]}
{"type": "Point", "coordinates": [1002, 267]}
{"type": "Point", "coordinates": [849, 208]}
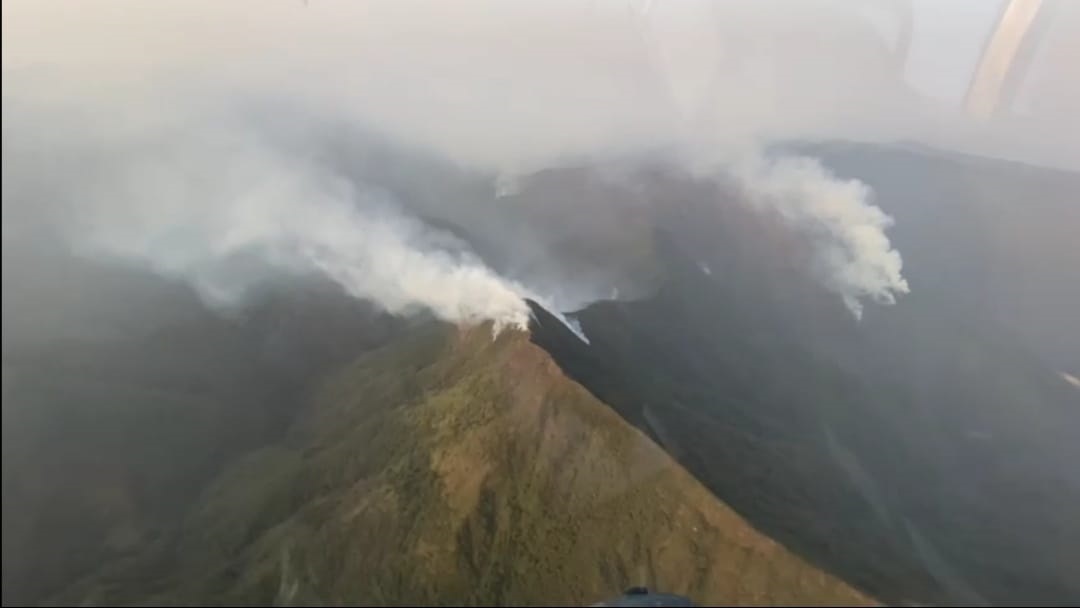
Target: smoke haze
{"type": "Point", "coordinates": [125, 129]}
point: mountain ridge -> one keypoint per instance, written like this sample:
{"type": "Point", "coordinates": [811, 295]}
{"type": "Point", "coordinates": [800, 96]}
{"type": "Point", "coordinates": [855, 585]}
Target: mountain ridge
{"type": "Point", "coordinates": [159, 451]}
{"type": "Point", "coordinates": [486, 477]}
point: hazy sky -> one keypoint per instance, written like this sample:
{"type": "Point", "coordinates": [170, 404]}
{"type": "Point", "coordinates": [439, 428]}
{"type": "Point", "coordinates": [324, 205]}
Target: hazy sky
{"type": "Point", "coordinates": [947, 37]}
{"type": "Point", "coordinates": [947, 34]}
{"type": "Point", "coordinates": [558, 76]}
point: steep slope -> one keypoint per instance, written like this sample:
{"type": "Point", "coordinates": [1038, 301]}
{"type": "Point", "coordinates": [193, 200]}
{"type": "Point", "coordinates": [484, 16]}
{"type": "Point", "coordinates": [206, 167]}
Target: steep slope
{"type": "Point", "coordinates": [993, 238]}
{"type": "Point", "coordinates": [920, 454]}
{"type": "Point", "coordinates": [123, 395]}
{"type": "Point", "coordinates": [453, 468]}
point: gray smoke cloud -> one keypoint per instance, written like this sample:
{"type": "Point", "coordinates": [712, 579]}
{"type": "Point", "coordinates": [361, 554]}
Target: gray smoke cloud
{"type": "Point", "coordinates": [124, 125]}
{"type": "Point", "coordinates": [292, 216]}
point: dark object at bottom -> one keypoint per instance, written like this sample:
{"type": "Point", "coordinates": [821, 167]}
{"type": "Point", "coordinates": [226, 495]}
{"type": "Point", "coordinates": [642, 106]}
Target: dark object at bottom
{"type": "Point", "coordinates": [640, 596]}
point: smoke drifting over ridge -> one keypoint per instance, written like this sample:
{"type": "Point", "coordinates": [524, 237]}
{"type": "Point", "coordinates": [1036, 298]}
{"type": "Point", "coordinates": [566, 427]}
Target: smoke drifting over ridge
{"type": "Point", "coordinates": [291, 216]}
{"type": "Point", "coordinates": [230, 208]}
{"type": "Point", "coordinates": [146, 102]}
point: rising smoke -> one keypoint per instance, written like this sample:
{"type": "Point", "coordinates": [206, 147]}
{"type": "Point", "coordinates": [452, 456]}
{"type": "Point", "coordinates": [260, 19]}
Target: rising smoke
{"type": "Point", "coordinates": [852, 254]}
{"type": "Point", "coordinates": [224, 204]}
{"type": "Point", "coordinates": [225, 208]}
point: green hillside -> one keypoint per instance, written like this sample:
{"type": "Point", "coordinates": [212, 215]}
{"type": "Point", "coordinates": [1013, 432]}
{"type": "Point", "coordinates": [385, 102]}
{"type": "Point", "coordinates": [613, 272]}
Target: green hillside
{"type": "Point", "coordinates": [123, 396]}
{"type": "Point", "coordinates": [451, 468]}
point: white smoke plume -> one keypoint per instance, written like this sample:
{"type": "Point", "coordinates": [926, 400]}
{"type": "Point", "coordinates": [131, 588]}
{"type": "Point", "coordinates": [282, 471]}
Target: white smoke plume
{"type": "Point", "coordinates": [852, 253]}
{"type": "Point", "coordinates": [505, 88]}
{"type": "Point", "coordinates": [223, 208]}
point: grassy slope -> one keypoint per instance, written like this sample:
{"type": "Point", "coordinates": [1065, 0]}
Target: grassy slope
{"type": "Point", "coordinates": [123, 396]}
{"type": "Point", "coordinates": [449, 468]}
